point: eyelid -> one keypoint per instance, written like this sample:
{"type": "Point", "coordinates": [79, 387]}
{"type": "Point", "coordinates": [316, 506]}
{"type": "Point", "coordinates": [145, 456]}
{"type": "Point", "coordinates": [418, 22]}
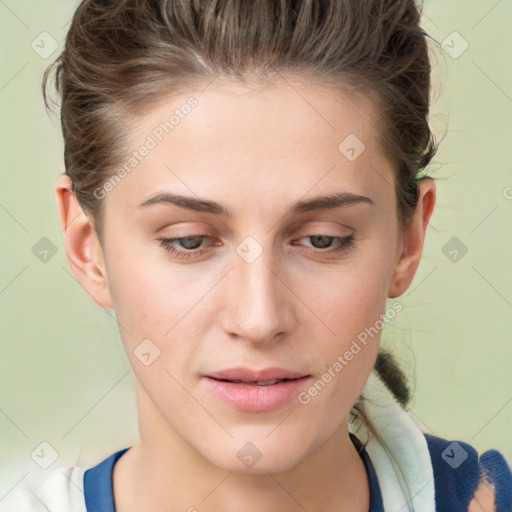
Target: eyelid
{"type": "Point", "coordinates": [342, 246]}
{"type": "Point", "coordinates": [183, 229]}
{"type": "Point", "coordinates": [317, 227]}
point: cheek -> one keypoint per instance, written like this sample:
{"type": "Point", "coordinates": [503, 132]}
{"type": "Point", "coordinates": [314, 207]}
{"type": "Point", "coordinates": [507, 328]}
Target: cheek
{"type": "Point", "coordinates": [350, 298]}
{"type": "Point", "coordinates": [349, 305]}
{"type": "Point", "coordinates": [146, 300]}
{"type": "Point", "coordinates": [151, 295]}
{"type": "Point", "coordinates": [159, 301]}
{"type": "Point", "coordinates": [347, 340]}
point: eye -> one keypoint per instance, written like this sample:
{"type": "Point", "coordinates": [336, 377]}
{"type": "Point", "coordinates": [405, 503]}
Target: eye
{"type": "Point", "coordinates": [343, 243]}
{"type": "Point", "coordinates": [190, 245]}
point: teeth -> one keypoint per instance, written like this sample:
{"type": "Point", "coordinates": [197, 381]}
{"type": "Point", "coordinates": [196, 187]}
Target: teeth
{"type": "Point", "coordinates": [267, 382]}
{"type": "Point", "coordinates": [259, 382]}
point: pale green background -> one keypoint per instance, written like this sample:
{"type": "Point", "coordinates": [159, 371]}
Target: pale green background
{"type": "Point", "coordinates": [64, 376]}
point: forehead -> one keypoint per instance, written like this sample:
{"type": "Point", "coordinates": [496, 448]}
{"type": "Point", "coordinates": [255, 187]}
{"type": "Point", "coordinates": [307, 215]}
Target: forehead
{"type": "Point", "coordinates": [229, 141]}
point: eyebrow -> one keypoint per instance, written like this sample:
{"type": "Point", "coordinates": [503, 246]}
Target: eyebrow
{"type": "Point", "coordinates": [328, 202]}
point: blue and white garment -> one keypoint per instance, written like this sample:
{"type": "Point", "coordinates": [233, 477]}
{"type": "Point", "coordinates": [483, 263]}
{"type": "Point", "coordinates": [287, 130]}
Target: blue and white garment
{"type": "Point", "coordinates": [408, 470]}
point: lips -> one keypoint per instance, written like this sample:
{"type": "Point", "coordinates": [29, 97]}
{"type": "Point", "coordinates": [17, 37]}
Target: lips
{"type": "Point", "coordinates": [256, 390]}
{"type": "Point", "coordinates": [264, 377]}
{"type": "Point", "coordinates": [255, 382]}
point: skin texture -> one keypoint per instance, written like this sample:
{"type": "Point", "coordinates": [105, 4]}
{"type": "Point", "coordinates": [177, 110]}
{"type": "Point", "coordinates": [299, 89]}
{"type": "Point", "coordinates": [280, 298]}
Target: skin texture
{"type": "Point", "coordinates": [483, 501]}
{"type": "Point", "coordinates": [256, 151]}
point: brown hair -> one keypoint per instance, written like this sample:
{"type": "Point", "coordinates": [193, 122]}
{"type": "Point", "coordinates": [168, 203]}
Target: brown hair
{"type": "Point", "coordinates": [122, 57]}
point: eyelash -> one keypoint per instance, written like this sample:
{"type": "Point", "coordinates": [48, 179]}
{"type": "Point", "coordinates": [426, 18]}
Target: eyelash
{"type": "Point", "coordinates": [345, 243]}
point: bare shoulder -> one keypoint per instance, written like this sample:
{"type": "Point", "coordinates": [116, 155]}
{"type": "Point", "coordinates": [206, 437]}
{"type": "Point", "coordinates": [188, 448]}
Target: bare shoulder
{"type": "Point", "coordinates": [483, 500]}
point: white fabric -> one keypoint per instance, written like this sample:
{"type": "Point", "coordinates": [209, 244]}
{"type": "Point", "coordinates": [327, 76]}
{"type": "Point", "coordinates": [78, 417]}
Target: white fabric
{"type": "Point", "coordinates": [398, 451]}
{"type": "Point", "coordinates": [61, 490]}
{"type": "Point", "coordinates": [399, 454]}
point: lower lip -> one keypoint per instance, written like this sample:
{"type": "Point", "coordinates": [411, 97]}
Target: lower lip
{"type": "Point", "coordinates": [254, 398]}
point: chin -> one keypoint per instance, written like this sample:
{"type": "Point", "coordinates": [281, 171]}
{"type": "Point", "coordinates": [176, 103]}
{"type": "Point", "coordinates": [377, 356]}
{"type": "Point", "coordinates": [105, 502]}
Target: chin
{"type": "Point", "coordinates": [260, 456]}
{"type": "Point", "coordinates": [271, 464]}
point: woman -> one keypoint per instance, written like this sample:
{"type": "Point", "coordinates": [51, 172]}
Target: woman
{"type": "Point", "coordinates": [244, 189]}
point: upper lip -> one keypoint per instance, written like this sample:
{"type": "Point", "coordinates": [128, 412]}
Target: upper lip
{"type": "Point", "coordinates": [249, 375]}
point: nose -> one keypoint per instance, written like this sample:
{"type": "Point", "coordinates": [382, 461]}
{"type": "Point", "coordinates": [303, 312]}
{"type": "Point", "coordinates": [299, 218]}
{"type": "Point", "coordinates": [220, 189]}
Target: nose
{"type": "Point", "coordinates": [259, 307]}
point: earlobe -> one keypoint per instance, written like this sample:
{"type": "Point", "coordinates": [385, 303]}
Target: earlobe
{"type": "Point", "coordinates": [413, 240]}
{"type": "Point", "coordinates": [83, 250]}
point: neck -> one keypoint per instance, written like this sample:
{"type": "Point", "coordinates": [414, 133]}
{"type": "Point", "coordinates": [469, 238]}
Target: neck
{"type": "Point", "coordinates": [162, 472]}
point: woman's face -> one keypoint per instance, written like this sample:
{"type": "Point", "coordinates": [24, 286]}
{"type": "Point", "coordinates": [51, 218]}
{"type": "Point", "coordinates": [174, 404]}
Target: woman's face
{"type": "Point", "coordinates": [270, 285]}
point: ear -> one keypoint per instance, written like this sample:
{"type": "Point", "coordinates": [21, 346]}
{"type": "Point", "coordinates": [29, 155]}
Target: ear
{"type": "Point", "coordinates": [81, 244]}
{"type": "Point", "coordinates": [411, 243]}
